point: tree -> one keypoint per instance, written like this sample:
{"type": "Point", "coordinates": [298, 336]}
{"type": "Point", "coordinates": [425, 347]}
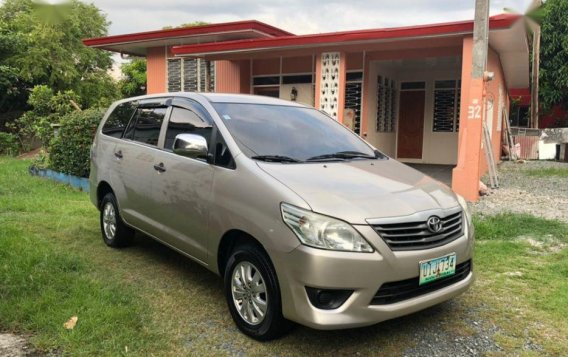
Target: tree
{"type": "Point", "coordinates": [133, 82]}
{"type": "Point", "coordinates": [554, 54]}
{"type": "Point", "coordinates": [44, 46]}
{"type": "Point", "coordinates": [189, 24]}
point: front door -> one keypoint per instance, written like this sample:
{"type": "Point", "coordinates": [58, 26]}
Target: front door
{"type": "Point", "coordinates": [181, 190]}
{"type": "Point", "coordinates": [411, 124]}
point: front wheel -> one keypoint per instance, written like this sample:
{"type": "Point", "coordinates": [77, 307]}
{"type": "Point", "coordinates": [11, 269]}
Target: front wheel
{"type": "Point", "coordinates": [253, 294]}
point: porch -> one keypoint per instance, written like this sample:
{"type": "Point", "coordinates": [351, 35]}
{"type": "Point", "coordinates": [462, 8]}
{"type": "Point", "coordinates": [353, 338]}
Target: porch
{"type": "Point", "coordinates": [403, 98]}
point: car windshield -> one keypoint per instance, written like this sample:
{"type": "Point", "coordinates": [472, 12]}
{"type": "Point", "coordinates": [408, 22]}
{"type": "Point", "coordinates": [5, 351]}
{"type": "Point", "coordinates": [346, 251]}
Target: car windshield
{"type": "Point", "coordinates": [290, 134]}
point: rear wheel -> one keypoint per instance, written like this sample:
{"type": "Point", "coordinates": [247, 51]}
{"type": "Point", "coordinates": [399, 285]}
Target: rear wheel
{"type": "Point", "coordinates": [115, 233]}
{"type": "Point", "coordinates": [253, 294]}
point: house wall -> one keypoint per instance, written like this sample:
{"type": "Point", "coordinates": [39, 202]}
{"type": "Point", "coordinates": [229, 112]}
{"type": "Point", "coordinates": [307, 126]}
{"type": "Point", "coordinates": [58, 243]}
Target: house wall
{"type": "Point", "coordinates": [305, 92]}
{"type": "Point", "coordinates": [438, 147]}
{"type": "Point", "coordinates": [500, 102]}
{"type": "Point", "coordinates": [385, 142]}
{"type": "Point", "coordinates": [471, 156]}
{"type": "Point", "coordinates": [156, 70]}
{"type": "Point", "coordinates": [303, 64]}
{"type": "Point", "coordinates": [232, 76]}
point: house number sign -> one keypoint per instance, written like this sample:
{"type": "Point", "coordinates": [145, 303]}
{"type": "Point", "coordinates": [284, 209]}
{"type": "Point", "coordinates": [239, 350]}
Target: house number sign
{"type": "Point", "coordinates": [474, 110]}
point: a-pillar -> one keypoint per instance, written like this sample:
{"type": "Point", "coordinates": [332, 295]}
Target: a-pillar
{"type": "Point", "coordinates": [465, 176]}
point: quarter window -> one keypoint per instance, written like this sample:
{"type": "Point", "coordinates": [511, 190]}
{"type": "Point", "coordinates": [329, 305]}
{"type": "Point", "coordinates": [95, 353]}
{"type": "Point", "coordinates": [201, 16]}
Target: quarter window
{"type": "Point", "coordinates": [184, 121]}
{"type": "Point", "coordinates": [118, 120]}
{"type": "Point", "coordinates": [148, 123]}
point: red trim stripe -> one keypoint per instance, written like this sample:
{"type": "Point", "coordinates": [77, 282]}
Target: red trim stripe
{"type": "Point", "coordinates": [188, 31]}
{"type": "Point", "coordinates": [496, 22]}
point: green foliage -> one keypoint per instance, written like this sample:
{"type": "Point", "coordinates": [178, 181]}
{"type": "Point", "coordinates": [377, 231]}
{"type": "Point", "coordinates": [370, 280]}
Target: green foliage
{"type": "Point", "coordinates": [48, 274]}
{"type": "Point", "coordinates": [50, 51]}
{"type": "Point", "coordinates": [187, 24]}
{"type": "Point", "coordinates": [69, 151]}
{"type": "Point", "coordinates": [9, 144]}
{"type": "Point", "coordinates": [507, 226]}
{"type": "Point", "coordinates": [41, 44]}
{"type": "Point", "coordinates": [548, 172]}
{"type": "Point", "coordinates": [553, 78]}
{"type": "Point", "coordinates": [134, 81]}
{"type": "Point", "coordinates": [47, 109]}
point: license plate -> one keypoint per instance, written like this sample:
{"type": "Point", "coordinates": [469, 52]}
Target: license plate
{"type": "Point", "coordinates": [437, 268]}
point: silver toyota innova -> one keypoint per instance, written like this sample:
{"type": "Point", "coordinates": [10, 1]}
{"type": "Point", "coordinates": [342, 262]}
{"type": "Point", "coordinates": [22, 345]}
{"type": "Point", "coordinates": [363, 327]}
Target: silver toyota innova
{"type": "Point", "coordinates": [304, 220]}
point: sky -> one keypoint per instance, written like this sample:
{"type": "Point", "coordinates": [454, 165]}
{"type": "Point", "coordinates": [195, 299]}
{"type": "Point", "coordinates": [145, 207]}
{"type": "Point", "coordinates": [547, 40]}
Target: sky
{"type": "Point", "coordinates": [296, 16]}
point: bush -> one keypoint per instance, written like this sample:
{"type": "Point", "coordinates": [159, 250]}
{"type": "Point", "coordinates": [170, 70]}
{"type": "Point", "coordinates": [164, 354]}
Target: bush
{"type": "Point", "coordinates": [69, 151]}
{"type": "Point", "coordinates": [48, 108]}
{"type": "Point", "coordinates": [9, 144]}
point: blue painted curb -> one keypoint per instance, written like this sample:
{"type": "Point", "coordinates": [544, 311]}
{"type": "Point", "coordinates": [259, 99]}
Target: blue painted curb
{"type": "Point", "coordinates": [77, 182]}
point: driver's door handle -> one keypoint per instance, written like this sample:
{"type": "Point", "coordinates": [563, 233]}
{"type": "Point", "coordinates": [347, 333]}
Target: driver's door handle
{"type": "Point", "coordinates": [160, 167]}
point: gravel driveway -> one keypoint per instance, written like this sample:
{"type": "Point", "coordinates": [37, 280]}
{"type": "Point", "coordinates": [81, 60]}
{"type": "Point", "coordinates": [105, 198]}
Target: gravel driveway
{"type": "Point", "coordinates": [545, 197]}
{"type": "Point", "coordinates": [13, 346]}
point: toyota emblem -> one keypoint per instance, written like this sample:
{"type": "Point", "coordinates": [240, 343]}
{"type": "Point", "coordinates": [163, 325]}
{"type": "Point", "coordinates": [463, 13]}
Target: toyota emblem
{"type": "Point", "coordinates": [434, 224]}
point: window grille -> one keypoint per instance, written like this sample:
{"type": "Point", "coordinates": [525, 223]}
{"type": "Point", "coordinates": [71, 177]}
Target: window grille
{"type": "Point", "coordinates": [174, 75]}
{"type": "Point", "coordinates": [188, 74]}
{"type": "Point", "coordinates": [353, 92]}
{"type": "Point", "coordinates": [386, 104]}
{"type": "Point", "coordinates": [446, 106]}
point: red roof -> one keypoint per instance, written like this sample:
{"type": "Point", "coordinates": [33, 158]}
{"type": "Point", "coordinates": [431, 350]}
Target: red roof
{"type": "Point", "coordinates": [502, 21]}
{"type": "Point", "coordinates": [254, 25]}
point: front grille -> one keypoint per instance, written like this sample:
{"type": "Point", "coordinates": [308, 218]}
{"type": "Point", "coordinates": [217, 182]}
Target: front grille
{"type": "Point", "coordinates": [396, 291]}
{"type": "Point", "coordinates": [416, 235]}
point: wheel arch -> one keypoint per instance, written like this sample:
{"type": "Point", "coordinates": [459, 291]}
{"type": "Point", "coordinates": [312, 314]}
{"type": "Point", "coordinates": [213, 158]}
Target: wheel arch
{"type": "Point", "coordinates": [103, 188]}
{"type": "Point", "coordinates": [232, 239]}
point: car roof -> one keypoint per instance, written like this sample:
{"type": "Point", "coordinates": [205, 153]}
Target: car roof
{"type": "Point", "coordinates": [247, 99]}
{"type": "Point", "coordinates": [220, 98]}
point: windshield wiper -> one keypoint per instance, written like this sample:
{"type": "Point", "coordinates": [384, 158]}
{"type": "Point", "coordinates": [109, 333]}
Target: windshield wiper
{"type": "Point", "coordinates": [343, 155]}
{"type": "Point", "coordinates": [275, 158]}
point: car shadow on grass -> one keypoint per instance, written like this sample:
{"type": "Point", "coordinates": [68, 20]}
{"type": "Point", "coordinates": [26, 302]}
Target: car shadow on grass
{"type": "Point", "coordinates": [214, 329]}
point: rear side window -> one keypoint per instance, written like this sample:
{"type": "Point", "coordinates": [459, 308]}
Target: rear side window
{"type": "Point", "coordinates": [184, 121]}
{"type": "Point", "coordinates": [146, 128]}
{"type": "Point", "coordinates": [118, 120]}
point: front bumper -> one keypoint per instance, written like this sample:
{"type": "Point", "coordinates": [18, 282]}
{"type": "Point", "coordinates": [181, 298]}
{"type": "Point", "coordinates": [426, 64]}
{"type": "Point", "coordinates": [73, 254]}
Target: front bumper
{"type": "Point", "coordinates": [364, 273]}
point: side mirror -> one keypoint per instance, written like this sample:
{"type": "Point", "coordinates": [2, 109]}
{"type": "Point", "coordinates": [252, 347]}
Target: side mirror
{"type": "Point", "coordinates": [190, 145]}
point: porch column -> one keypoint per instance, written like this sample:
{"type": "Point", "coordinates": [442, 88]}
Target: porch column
{"type": "Point", "coordinates": [157, 73]}
{"type": "Point", "coordinates": [330, 83]}
{"type": "Point", "coordinates": [465, 176]}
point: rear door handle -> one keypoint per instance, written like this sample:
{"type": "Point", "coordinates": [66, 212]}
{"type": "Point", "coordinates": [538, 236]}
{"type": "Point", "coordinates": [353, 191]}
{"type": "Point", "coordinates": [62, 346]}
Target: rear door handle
{"type": "Point", "coordinates": [160, 167]}
{"type": "Point", "coordinates": [118, 154]}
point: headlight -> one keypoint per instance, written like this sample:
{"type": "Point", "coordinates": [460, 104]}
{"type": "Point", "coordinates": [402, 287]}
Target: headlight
{"type": "Point", "coordinates": [465, 208]}
{"type": "Point", "coordinates": [319, 231]}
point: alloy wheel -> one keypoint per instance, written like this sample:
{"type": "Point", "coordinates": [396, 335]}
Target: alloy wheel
{"type": "Point", "coordinates": [109, 220]}
{"type": "Point", "coordinates": [249, 293]}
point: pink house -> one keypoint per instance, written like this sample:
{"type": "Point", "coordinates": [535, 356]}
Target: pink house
{"type": "Point", "coordinates": [404, 90]}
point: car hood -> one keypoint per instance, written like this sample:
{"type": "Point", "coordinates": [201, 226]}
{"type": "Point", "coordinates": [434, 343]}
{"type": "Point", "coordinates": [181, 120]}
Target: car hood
{"type": "Point", "coordinates": [362, 189]}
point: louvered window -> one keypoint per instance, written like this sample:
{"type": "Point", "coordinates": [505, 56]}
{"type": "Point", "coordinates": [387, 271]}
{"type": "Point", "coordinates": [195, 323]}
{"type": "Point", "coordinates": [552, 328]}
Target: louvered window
{"type": "Point", "coordinates": [174, 75]}
{"type": "Point", "coordinates": [190, 75]}
{"type": "Point", "coordinates": [446, 106]}
{"type": "Point", "coordinates": [353, 90]}
{"type": "Point", "coordinates": [386, 107]}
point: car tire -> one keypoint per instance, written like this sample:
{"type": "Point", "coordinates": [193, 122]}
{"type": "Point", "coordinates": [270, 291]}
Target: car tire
{"type": "Point", "coordinates": [253, 294]}
{"type": "Point", "coordinates": [115, 233]}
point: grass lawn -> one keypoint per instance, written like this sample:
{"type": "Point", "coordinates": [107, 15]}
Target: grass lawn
{"type": "Point", "coordinates": [548, 171]}
{"type": "Point", "coordinates": [149, 300]}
